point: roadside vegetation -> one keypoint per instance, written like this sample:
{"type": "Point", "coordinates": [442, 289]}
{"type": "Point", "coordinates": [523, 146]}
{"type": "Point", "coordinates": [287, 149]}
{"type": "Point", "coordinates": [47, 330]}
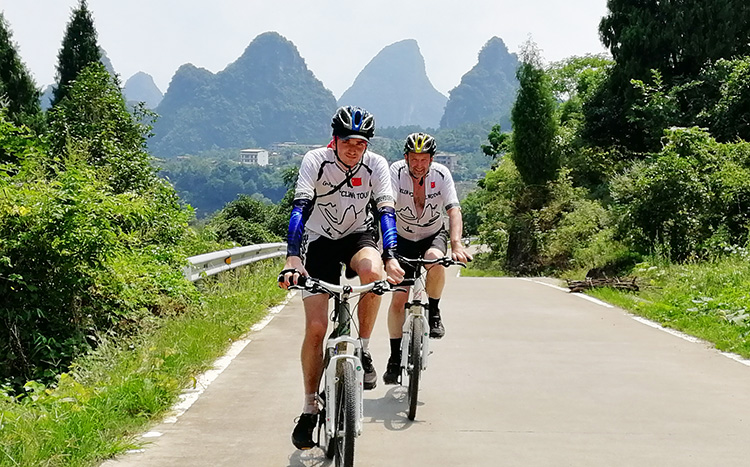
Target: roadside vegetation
{"type": "Point", "coordinates": [111, 394]}
{"type": "Point", "coordinates": [635, 164]}
{"type": "Point", "coordinates": [99, 329]}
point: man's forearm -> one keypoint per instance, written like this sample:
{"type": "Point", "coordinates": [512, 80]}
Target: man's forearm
{"type": "Point", "coordinates": [456, 224]}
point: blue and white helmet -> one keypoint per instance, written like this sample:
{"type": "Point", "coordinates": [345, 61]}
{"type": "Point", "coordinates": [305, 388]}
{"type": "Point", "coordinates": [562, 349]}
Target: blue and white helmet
{"type": "Point", "coordinates": [353, 122]}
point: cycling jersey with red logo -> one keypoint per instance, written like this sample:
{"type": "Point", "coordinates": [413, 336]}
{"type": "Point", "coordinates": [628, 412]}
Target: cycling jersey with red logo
{"type": "Point", "coordinates": [440, 196]}
{"type": "Point", "coordinates": [341, 199]}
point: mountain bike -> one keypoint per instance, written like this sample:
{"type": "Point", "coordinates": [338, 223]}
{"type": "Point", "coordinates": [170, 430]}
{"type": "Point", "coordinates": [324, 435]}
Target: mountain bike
{"type": "Point", "coordinates": [415, 341]}
{"type": "Point", "coordinates": [343, 375]}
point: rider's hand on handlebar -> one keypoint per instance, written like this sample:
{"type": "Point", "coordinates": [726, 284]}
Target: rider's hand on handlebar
{"type": "Point", "coordinates": [394, 271]}
{"type": "Point", "coordinates": [459, 253]}
{"type": "Point", "coordinates": [292, 270]}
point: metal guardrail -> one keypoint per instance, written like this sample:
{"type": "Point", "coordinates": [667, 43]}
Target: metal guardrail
{"type": "Point", "coordinates": [209, 264]}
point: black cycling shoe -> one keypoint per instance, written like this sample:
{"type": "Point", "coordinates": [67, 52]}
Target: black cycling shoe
{"type": "Point", "coordinates": [436, 327]}
{"type": "Point", "coordinates": [371, 377]}
{"type": "Point", "coordinates": [392, 373]}
{"type": "Point", "coordinates": [302, 436]}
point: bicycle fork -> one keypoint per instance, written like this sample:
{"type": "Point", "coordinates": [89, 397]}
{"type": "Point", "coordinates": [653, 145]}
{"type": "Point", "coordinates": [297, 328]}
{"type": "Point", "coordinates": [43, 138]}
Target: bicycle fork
{"type": "Point", "coordinates": [415, 310]}
{"type": "Point", "coordinates": [331, 382]}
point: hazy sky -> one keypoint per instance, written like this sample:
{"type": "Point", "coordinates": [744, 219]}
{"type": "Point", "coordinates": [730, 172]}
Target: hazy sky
{"type": "Point", "coordinates": [336, 38]}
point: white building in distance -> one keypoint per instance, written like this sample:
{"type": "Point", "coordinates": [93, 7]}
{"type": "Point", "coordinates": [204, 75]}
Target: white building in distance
{"type": "Point", "coordinates": [254, 157]}
{"type": "Point", "coordinates": [447, 159]}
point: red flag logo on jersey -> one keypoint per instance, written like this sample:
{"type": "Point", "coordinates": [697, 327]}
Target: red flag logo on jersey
{"type": "Point", "coordinates": [432, 185]}
{"type": "Point", "coordinates": [357, 181]}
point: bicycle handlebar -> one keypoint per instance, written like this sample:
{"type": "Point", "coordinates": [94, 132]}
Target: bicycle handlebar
{"type": "Point", "coordinates": [444, 261]}
{"type": "Point", "coordinates": [316, 285]}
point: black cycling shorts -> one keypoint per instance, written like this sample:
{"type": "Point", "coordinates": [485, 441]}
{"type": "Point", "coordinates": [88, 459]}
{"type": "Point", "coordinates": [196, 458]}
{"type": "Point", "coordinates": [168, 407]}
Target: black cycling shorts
{"type": "Point", "coordinates": [417, 249]}
{"type": "Point", "coordinates": [324, 257]}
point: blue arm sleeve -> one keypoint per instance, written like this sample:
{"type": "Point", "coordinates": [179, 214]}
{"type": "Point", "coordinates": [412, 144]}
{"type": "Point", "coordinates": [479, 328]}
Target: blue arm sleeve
{"type": "Point", "coordinates": [388, 226]}
{"type": "Point", "coordinates": [301, 209]}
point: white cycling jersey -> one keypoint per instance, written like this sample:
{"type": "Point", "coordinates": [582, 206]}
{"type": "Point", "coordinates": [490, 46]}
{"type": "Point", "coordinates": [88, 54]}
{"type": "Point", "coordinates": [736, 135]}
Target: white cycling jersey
{"type": "Point", "coordinates": [341, 200]}
{"type": "Point", "coordinates": [440, 196]}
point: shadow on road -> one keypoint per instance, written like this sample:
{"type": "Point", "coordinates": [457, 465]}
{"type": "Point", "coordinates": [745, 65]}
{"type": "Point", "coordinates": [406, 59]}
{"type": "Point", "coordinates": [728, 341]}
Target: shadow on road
{"type": "Point", "coordinates": [390, 410]}
{"type": "Point", "coordinates": [311, 458]}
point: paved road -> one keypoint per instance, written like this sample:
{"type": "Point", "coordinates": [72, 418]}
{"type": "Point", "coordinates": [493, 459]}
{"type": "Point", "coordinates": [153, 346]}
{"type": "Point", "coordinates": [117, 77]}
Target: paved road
{"type": "Point", "coordinates": [527, 375]}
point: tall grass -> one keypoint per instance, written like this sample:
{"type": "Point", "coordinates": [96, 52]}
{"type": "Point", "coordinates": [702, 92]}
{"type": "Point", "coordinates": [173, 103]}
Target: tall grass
{"type": "Point", "coordinates": [114, 392]}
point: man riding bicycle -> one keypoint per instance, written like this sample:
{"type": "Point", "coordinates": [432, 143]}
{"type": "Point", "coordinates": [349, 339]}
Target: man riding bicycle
{"type": "Point", "coordinates": [331, 224]}
{"type": "Point", "coordinates": [424, 191]}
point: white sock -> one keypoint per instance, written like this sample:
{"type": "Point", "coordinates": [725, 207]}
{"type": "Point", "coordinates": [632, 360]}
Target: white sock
{"type": "Point", "coordinates": [365, 344]}
{"type": "Point", "coordinates": [311, 403]}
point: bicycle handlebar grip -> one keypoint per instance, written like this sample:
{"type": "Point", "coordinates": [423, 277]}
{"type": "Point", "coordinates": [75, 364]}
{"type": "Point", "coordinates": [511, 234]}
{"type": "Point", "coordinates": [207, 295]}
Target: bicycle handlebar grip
{"type": "Point", "coordinates": [302, 283]}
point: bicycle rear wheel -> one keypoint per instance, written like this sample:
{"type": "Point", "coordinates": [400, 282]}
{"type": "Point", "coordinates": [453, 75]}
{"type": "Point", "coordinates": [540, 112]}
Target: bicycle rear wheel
{"type": "Point", "coordinates": [414, 369]}
{"type": "Point", "coordinates": [342, 445]}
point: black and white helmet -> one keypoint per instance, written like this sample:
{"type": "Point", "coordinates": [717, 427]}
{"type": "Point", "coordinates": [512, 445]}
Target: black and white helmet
{"type": "Point", "coordinates": [420, 143]}
{"type": "Point", "coordinates": [353, 122]}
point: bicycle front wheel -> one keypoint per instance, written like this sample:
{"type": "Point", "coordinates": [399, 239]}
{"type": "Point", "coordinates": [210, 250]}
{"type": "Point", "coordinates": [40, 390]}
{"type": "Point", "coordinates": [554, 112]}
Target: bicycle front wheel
{"type": "Point", "coordinates": [346, 412]}
{"type": "Point", "coordinates": [414, 369]}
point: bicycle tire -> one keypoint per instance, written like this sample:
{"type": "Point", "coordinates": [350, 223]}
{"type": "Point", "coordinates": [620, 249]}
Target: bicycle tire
{"type": "Point", "coordinates": [347, 416]}
{"type": "Point", "coordinates": [414, 365]}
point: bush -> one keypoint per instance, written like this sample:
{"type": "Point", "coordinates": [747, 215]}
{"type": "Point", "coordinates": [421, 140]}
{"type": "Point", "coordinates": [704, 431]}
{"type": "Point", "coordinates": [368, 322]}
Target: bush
{"type": "Point", "coordinates": [76, 260]}
{"type": "Point", "coordinates": [90, 238]}
{"type": "Point", "coordinates": [689, 199]}
{"type": "Point", "coordinates": [500, 187]}
{"type": "Point", "coordinates": [727, 114]}
{"type": "Point", "coordinates": [248, 221]}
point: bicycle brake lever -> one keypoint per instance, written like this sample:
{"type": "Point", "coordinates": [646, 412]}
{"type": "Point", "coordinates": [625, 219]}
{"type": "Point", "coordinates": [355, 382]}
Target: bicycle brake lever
{"type": "Point", "coordinates": [381, 287]}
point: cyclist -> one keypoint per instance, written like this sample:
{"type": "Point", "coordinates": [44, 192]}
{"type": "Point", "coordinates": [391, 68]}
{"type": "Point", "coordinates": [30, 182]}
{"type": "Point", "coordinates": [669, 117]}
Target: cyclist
{"type": "Point", "coordinates": [331, 224]}
{"type": "Point", "coordinates": [424, 191]}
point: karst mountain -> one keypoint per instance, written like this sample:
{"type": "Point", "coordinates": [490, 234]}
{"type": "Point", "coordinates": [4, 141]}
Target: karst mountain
{"type": "Point", "coordinates": [487, 92]}
{"type": "Point", "coordinates": [395, 88]}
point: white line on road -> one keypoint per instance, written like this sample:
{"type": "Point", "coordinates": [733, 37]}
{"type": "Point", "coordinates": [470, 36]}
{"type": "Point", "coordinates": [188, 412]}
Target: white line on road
{"type": "Point", "coordinates": [591, 299]}
{"type": "Point", "coordinates": [647, 322]}
{"type": "Point", "coordinates": [543, 283]}
{"type": "Point", "coordinates": [658, 326]}
{"type": "Point", "coordinates": [201, 383]}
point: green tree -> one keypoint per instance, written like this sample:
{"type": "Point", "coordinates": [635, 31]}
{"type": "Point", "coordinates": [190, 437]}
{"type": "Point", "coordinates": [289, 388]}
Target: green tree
{"type": "Point", "coordinates": [248, 221]}
{"type": "Point", "coordinates": [675, 38]}
{"type": "Point", "coordinates": [18, 92]}
{"type": "Point", "coordinates": [79, 49]}
{"type": "Point", "coordinates": [498, 142]}
{"type": "Point", "coordinates": [94, 120]}
{"type": "Point", "coordinates": [535, 156]}
{"type": "Point", "coordinates": [534, 122]}
{"type": "Point", "coordinates": [573, 81]}
{"type": "Point", "coordinates": [727, 115]}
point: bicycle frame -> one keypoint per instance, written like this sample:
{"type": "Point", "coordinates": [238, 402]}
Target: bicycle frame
{"type": "Point", "coordinates": [415, 309]}
{"type": "Point", "coordinates": [341, 348]}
